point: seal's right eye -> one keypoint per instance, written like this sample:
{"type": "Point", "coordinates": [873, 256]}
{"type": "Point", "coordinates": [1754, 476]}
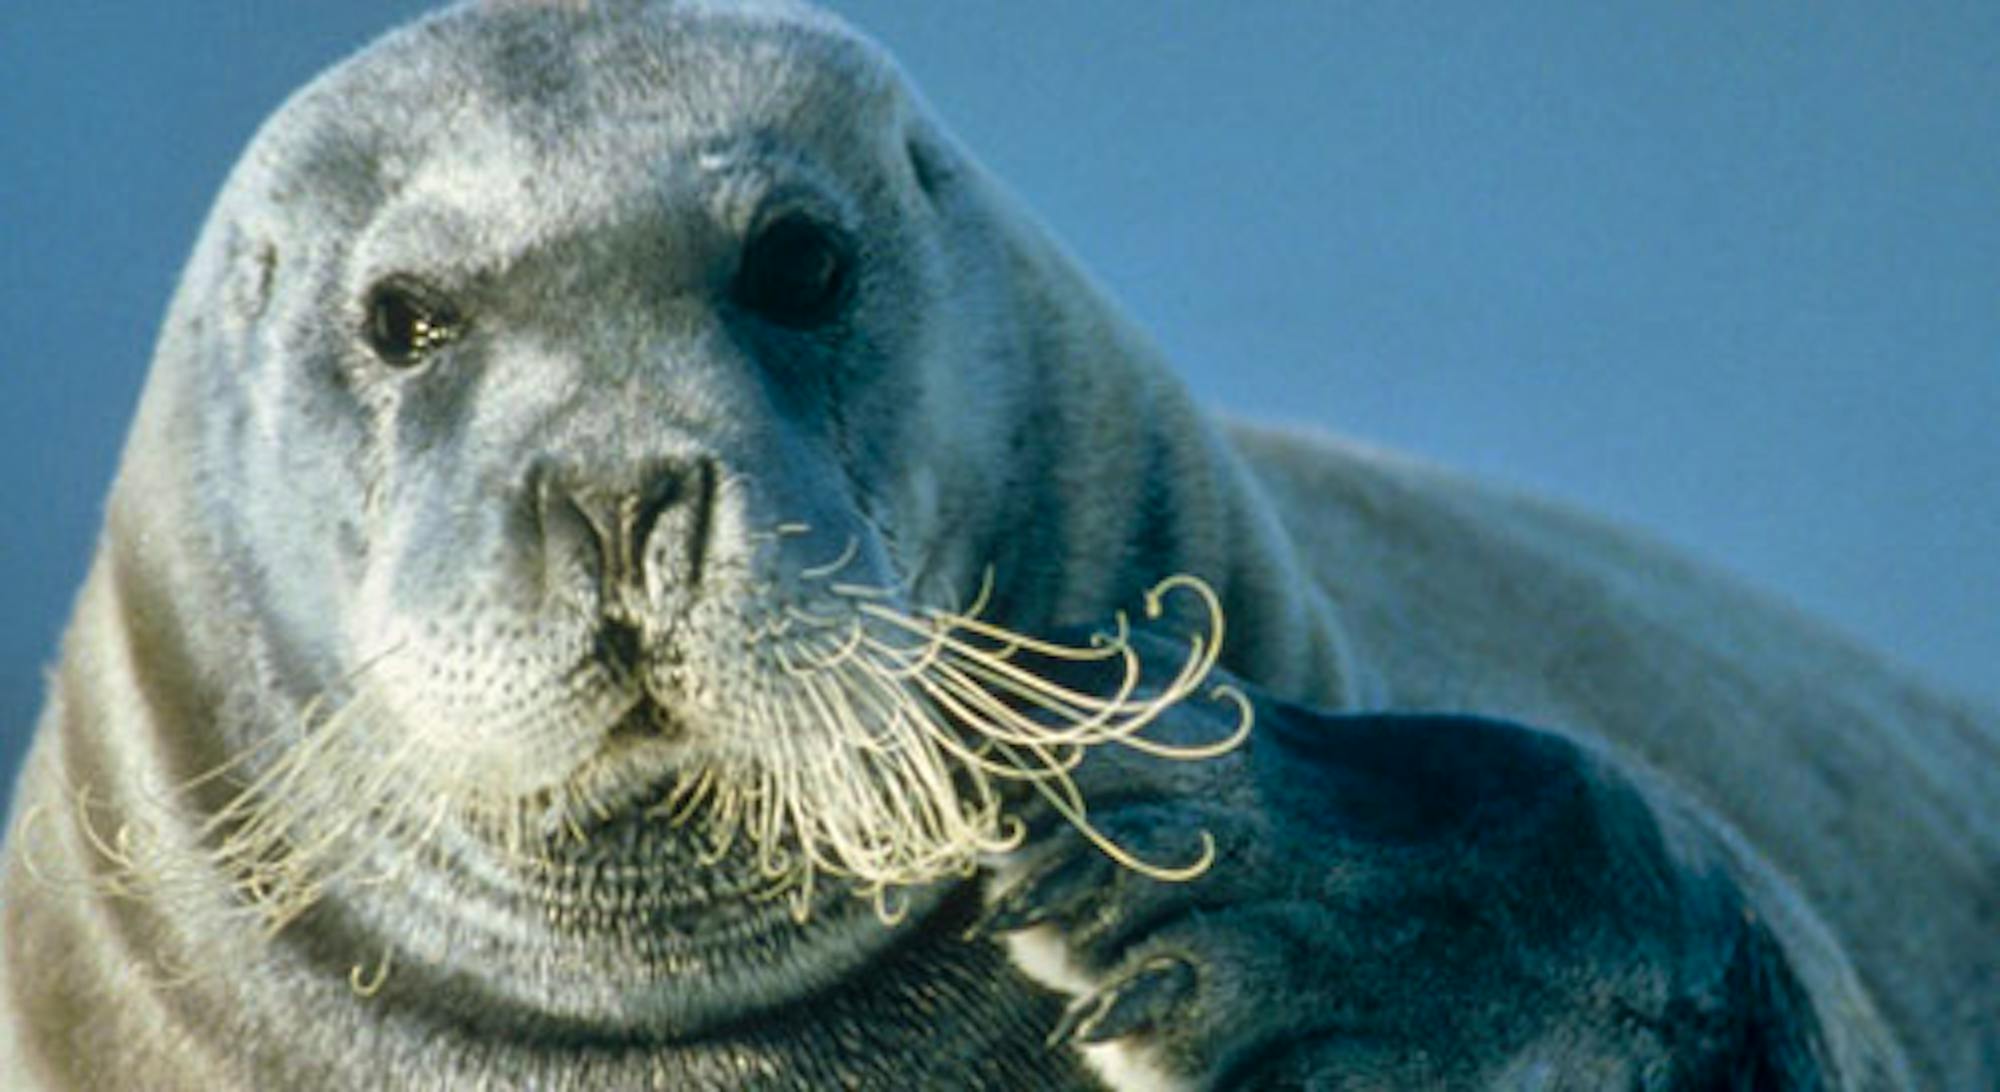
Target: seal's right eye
{"type": "Point", "coordinates": [408, 321]}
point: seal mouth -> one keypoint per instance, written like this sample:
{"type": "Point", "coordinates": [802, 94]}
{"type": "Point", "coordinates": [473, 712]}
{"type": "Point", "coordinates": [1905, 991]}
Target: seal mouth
{"type": "Point", "coordinates": [634, 769]}
{"type": "Point", "coordinates": [647, 722]}
{"type": "Point", "coordinates": [648, 733]}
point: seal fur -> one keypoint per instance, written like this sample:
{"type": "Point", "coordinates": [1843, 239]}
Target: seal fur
{"type": "Point", "coordinates": [447, 560]}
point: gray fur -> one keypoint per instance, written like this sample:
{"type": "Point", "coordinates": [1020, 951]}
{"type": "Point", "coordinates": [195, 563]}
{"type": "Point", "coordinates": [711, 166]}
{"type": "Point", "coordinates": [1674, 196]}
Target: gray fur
{"type": "Point", "coordinates": [292, 520]}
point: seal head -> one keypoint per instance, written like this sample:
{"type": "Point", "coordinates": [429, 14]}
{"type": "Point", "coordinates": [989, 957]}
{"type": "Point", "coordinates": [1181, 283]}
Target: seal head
{"type": "Point", "coordinates": [567, 422]}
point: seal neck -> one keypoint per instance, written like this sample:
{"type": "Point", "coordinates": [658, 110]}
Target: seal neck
{"type": "Point", "coordinates": [1121, 481]}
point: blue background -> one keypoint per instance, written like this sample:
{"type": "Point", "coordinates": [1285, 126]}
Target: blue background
{"type": "Point", "coordinates": [1730, 272]}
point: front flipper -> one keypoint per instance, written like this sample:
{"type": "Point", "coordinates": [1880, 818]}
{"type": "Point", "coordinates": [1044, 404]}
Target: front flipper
{"type": "Point", "coordinates": [1401, 902]}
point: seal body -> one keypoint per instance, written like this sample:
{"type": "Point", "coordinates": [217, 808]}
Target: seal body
{"type": "Point", "coordinates": [561, 404]}
{"type": "Point", "coordinates": [1868, 791]}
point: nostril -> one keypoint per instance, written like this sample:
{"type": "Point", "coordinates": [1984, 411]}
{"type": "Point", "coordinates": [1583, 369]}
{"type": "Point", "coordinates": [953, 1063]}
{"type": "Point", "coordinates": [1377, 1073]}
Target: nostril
{"type": "Point", "coordinates": [572, 539]}
{"type": "Point", "coordinates": [676, 505]}
{"type": "Point", "coordinates": [615, 519]}
{"type": "Point", "coordinates": [582, 524]}
{"type": "Point", "coordinates": [666, 485]}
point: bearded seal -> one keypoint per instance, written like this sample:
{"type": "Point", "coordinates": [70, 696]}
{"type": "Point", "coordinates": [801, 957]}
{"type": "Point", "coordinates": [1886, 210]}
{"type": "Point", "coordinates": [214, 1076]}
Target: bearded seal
{"type": "Point", "coordinates": [594, 447]}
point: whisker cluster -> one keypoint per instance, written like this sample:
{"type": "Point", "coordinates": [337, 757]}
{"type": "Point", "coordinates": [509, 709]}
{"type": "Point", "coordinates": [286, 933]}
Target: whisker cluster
{"type": "Point", "coordinates": [885, 746]}
{"type": "Point", "coordinates": [299, 814]}
{"type": "Point", "coordinates": [880, 745]}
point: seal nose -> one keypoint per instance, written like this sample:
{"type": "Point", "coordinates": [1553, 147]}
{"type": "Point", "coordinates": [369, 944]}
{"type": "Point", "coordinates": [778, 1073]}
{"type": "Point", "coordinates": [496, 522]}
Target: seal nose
{"type": "Point", "coordinates": [648, 524]}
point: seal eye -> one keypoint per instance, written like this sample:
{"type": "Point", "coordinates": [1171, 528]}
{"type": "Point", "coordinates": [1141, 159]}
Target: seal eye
{"type": "Point", "coordinates": [408, 321]}
{"type": "Point", "coordinates": [794, 272]}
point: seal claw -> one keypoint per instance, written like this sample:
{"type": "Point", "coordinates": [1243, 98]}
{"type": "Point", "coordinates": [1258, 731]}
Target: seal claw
{"type": "Point", "coordinates": [1142, 1000]}
{"type": "Point", "coordinates": [1058, 890]}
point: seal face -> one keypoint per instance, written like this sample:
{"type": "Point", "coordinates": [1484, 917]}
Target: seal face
{"type": "Point", "coordinates": [628, 377]}
{"type": "Point", "coordinates": [603, 418]}
{"type": "Point", "coordinates": [584, 402]}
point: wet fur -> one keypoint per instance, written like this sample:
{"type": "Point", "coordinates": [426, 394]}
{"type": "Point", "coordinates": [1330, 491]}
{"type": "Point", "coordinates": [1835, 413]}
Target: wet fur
{"type": "Point", "coordinates": [1485, 905]}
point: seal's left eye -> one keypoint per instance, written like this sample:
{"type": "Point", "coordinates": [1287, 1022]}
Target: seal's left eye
{"type": "Point", "coordinates": [408, 321]}
{"type": "Point", "coordinates": [794, 272]}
